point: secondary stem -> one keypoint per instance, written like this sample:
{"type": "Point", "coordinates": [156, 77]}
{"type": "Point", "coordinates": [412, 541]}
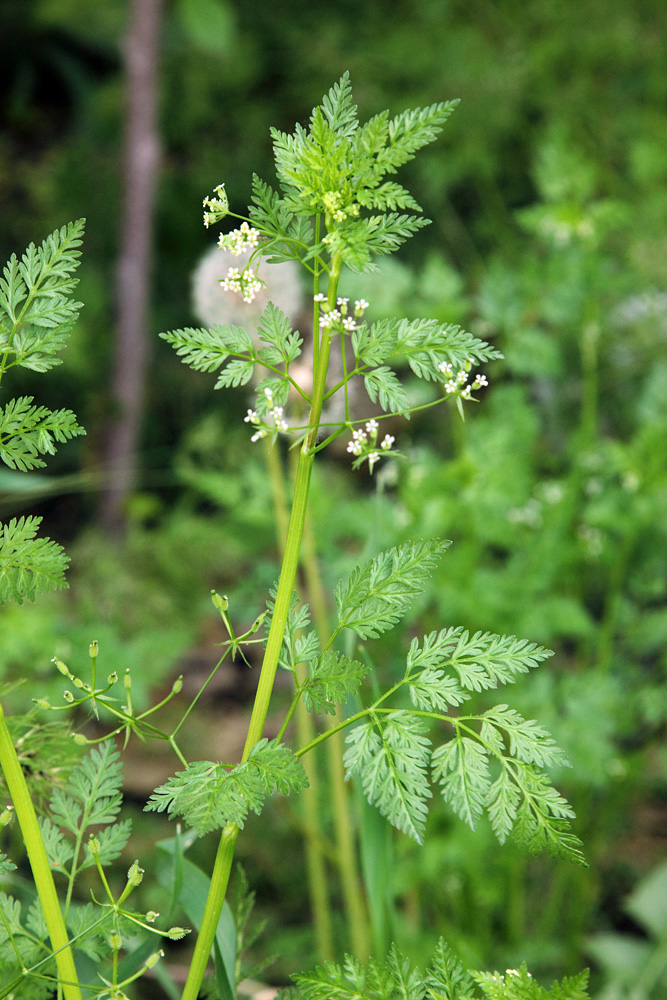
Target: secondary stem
{"type": "Point", "coordinates": [41, 871]}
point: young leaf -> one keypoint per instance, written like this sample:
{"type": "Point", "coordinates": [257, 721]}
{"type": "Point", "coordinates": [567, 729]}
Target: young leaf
{"type": "Point", "coordinates": [377, 594]}
{"type": "Point", "coordinates": [391, 758]}
{"type": "Point", "coordinates": [332, 679]}
{"type": "Point", "coordinates": [28, 565]}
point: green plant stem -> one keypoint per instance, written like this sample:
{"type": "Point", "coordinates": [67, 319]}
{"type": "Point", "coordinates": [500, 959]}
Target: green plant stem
{"type": "Point", "coordinates": [25, 813]}
{"type": "Point", "coordinates": [346, 854]}
{"type": "Point", "coordinates": [274, 642]}
{"type": "Point", "coordinates": [318, 889]}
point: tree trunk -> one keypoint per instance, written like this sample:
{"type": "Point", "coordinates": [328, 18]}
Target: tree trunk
{"type": "Point", "coordinates": [141, 158]}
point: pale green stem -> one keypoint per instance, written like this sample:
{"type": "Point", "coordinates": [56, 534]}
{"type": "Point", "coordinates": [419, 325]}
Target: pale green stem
{"type": "Point", "coordinates": [318, 890]}
{"type": "Point", "coordinates": [42, 875]}
{"type": "Point", "coordinates": [220, 877]}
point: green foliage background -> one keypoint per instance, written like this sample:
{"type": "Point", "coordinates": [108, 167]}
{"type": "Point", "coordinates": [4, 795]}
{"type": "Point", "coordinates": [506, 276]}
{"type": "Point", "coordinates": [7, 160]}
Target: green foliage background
{"type": "Point", "coordinates": [549, 201]}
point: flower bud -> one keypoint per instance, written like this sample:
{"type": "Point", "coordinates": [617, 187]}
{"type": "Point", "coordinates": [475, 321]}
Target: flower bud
{"type": "Point", "coordinates": [112, 678]}
{"type": "Point", "coordinates": [80, 739]}
{"type": "Point", "coordinates": [68, 696]}
{"type": "Point", "coordinates": [127, 680]}
{"type": "Point", "coordinates": [93, 845]}
{"type": "Point", "coordinates": [76, 681]}
{"type": "Point", "coordinates": [154, 959]}
{"type": "Point", "coordinates": [62, 667]}
{"type": "Point", "coordinates": [151, 916]}
{"type": "Point", "coordinates": [116, 941]}
{"type": "Point", "coordinates": [6, 816]}
{"type": "Point", "coordinates": [42, 702]}
{"type": "Point", "coordinates": [177, 686]}
{"type": "Point", "coordinates": [93, 649]}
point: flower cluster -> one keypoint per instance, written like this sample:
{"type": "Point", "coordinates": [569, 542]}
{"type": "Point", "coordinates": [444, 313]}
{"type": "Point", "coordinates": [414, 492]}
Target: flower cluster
{"type": "Point", "coordinates": [239, 240]}
{"type": "Point", "coordinates": [364, 445]}
{"type": "Point", "coordinates": [264, 428]}
{"type": "Point", "coordinates": [333, 206]}
{"type": "Point", "coordinates": [339, 318]}
{"type": "Point", "coordinates": [245, 282]}
{"type": "Point", "coordinates": [457, 383]}
{"type": "Point", "coordinates": [216, 207]}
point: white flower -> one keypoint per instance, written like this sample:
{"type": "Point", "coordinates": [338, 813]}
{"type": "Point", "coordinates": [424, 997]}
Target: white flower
{"type": "Point", "coordinates": [251, 417]}
{"type": "Point", "coordinates": [212, 304]}
{"type": "Point", "coordinates": [320, 297]}
{"type": "Point", "coordinates": [349, 324]}
{"type": "Point", "coordinates": [372, 426]}
{"type": "Point", "coordinates": [360, 306]}
{"type": "Point", "coordinates": [387, 442]}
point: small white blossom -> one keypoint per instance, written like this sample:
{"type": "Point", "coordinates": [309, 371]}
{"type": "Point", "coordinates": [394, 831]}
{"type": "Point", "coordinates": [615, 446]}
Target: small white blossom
{"type": "Point", "coordinates": [251, 417]}
{"type": "Point", "coordinates": [445, 368]}
{"type": "Point", "coordinates": [217, 207]}
{"type": "Point", "coordinates": [349, 325]}
{"type": "Point", "coordinates": [360, 306]}
{"type": "Point", "coordinates": [480, 380]}
{"type": "Point", "coordinates": [373, 457]}
{"type": "Point", "coordinates": [387, 442]}
{"type": "Point", "coordinates": [240, 240]}
{"type": "Point", "coordinates": [320, 297]}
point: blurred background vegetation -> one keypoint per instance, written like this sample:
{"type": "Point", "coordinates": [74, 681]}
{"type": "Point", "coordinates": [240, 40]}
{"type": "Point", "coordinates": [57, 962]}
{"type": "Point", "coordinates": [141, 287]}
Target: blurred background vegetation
{"type": "Point", "coordinates": [548, 195]}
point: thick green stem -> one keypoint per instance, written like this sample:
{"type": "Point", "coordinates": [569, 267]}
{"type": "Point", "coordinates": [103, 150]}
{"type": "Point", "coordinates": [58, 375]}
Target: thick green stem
{"type": "Point", "coordinates": [212, 911]}
{"type": "Point", "coordinates": [34, 845]}
{"type": "Point", "coordinates": [216, 895]}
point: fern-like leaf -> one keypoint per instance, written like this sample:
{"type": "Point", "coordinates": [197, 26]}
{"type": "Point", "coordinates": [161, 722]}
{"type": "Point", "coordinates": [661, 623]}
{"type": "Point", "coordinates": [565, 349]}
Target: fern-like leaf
{"type": "Point", "coordinates": [36, 308]}
{"type": "Point", "coordinates": [210, 795]}
{"type": "Point", "coordinates": [332, 679]}
{"type": "Point", "coordinates": [377, 594]}
{"type": "Point", "coordinates": [391, 759]}
{"type": "Point", "coordinates": [28, 565]}
{"type": "Point", "coordinates": [28, 431]}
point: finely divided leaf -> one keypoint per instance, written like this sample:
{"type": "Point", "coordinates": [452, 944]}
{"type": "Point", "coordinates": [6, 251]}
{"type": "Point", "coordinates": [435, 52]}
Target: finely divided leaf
{"type": "Point", "coordinates": [482, 661]}
{"type": "Point", "coordinates": [210, 795]}
{"type": "Point", "coordinates": [332, 679]}
{"type": "Point", "coordinates": [377, 594]}
{"type": "Point", "coordinates": [446, 979]}
{"type": "Point", "coordinates": [275, 329]}
{"type": "Point", "coordinates": [435, 691]}
{"type": "Point", "coordinates": [207, 350]}
{"type": "Point", "coordinates": [28, 565]}
{"type": "Point", "coordinates": [461, 767]}
{"type": "Point", "coordinates": [27, 431]}
{"type": "Point", "coordinates": [528, 741]}
{"type": "Point", "coordinates": [391, 758]}
{"type": "Point", "coordinates": [382, 384]}
{"type": "Point", "coordinates": [36, 308]}
{"type": "Point", "coordinates": [92, 795]}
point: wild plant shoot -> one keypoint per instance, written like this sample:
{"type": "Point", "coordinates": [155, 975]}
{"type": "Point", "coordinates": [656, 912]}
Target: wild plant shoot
{"type": "Point", "coordinates": [336, 209]}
